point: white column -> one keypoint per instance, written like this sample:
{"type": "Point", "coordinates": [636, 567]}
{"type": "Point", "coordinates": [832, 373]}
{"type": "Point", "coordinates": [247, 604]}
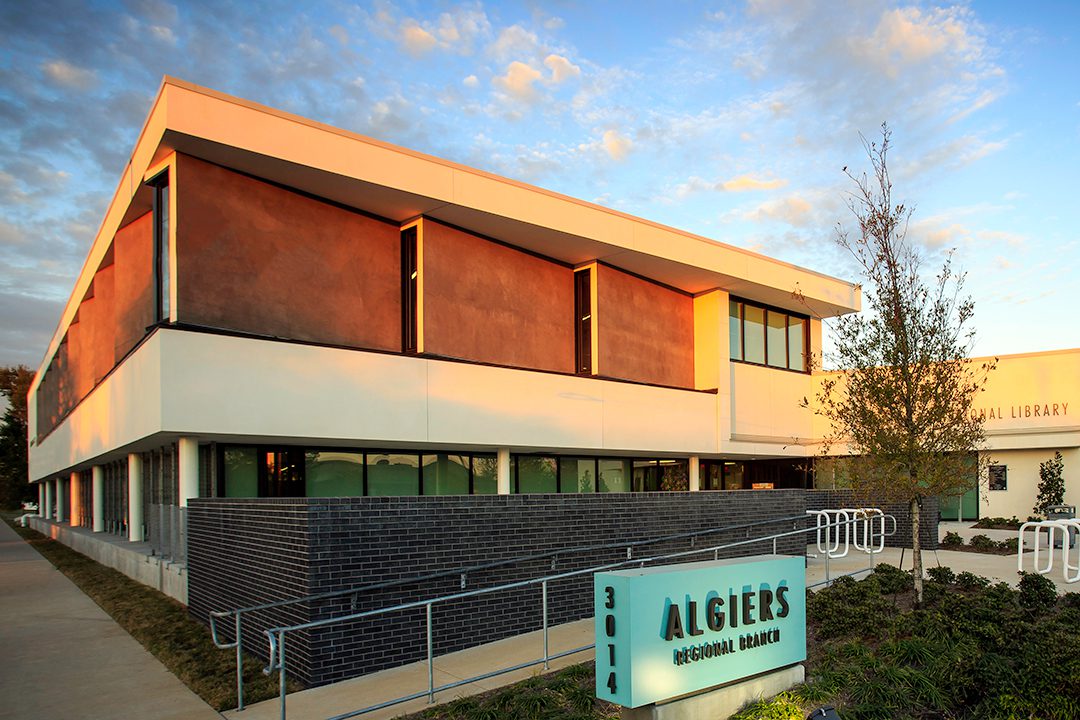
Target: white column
{"type": "Point", "coordinates": [188, 460]}
{"type": "Point", "coordinates": [695, 473]}
{"type": "Point", "coordinates": [135, 498]}
{"type": "Point", "coordinates": [75, 511]}
{"type": "Point", "coordinates": [60, 509]}
{"type": "Point", "coordinates": [49, 484]}
{"type": "Point", "coordinates": [41, 499]}
{"type": "Point", "coordinates": [503, 471]}
{"type": "Point", "coordinates": [98, 487]}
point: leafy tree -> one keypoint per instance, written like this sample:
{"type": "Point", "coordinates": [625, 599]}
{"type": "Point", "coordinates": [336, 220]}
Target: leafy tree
{"type": "Point", "coordinates": [902, 405]}
{"type": "Point", "coordinates": [1051, 484]}
{"type": "Point", "coordinates": [14, 472]}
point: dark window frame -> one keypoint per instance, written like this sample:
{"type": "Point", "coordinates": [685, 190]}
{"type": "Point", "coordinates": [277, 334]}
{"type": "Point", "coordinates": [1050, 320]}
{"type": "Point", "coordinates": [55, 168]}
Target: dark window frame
{"type": "Point", "coordinates": [410, 276]}
{"type": "Point", "coordinates": [741, 304]}
{"type": "Point", "coordinates": [162, 275]}
{"type": "Point", "coordinates": [583, 283]}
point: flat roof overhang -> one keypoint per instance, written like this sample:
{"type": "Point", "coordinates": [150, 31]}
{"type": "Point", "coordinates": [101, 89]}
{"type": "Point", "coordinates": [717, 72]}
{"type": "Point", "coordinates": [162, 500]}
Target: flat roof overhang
{"type": "Point", "coordinates": [400, 184]}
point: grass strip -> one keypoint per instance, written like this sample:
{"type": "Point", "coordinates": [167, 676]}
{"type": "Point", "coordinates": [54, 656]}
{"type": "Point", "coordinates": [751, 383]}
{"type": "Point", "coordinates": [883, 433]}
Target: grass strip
{"type": "Point", "coordinates": [161, 625]}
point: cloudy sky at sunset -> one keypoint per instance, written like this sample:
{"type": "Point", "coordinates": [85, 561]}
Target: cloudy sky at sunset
{"type": "Point", "coordinates": [731, 120]}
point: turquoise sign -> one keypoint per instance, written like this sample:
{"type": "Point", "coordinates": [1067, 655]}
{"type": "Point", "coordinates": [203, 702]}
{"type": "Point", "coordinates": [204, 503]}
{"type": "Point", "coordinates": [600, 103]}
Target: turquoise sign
{"type": "Point", "coordinates": [667, 631]}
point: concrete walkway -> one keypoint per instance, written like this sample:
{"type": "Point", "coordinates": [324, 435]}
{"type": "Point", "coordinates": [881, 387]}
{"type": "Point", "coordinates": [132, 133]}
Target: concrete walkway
{"type": "Point", "coordinates": [348, 695]}
{"type": "Point", "coordinates": [63, 657]}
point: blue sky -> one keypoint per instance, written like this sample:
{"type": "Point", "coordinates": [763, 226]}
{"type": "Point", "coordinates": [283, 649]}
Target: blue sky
{"type": "Point", "coordinates": [731, 119]}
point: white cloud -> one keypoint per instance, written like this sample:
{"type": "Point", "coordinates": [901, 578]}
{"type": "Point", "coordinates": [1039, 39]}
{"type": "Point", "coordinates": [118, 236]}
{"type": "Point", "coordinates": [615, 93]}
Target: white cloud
{"type": "Point", "coordinates": [743, 183]}
{"type": "Point", "coordinates": [416, 40]}
{"type": "Point", "coordinates": [64, 73]}
{"type": "Point", "coordinates": [471, 81]}
{"type": "Point", "coordinates": [339, 33]}
{"type": "Point", "coordinates": [955, 153]}
{"type": "Point", "coordinates": [163, 33]}
{"type": "Point", "coordinates": [561, 69]}
{"type": "Point", "coordinates": [519, 82]}
{"type": "Point", "coordinates": [616, 145]}
{"type": "Point", "coordinates": [1011, 238]}
{"type": "Point", "coordinates": [515, 41]}
{"type": "Point", "coordinates": [910, 35]}
{"type": "Point", "coordinates": [793, 210]}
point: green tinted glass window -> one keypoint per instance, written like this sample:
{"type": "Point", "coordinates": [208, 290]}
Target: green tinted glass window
{"type": "Point", "coordinates": [241, 472]}
{"type": "Point", "coordinates": [334, 473]}
{"type": "Point", "coordinates": [536, 474]}
{"type": "Point", "coordinates": [393, 474]}
{"type": "Point", "coordinates": [446, 474]}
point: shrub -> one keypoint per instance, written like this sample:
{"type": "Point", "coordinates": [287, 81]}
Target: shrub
{"type": "Point", "coordinates": [1011, 544]}
{"type": "Point", "coordinates": [1037, 592]}
{"type": "Point", "coordinates": [943, 575]}
{"type": "Point", "coordinates": [982, 542]}
{"type": "Point", "coordinates": [892, 579]}
{"type": "Point", "coordinates": [971, 581]}
{"type": "Point", "coordinates": [952, 539]}
{"type": "Point", "coordinates": [1051, 484]}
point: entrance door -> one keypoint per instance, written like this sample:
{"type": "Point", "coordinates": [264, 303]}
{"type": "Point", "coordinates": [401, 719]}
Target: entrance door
{"type": "Point", "coordinates": [966, 507]}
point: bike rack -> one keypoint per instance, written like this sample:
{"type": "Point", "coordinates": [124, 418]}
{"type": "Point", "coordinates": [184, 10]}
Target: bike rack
{"type": "Point", "coordinates": [1070, 573]}
{"type": "Point", "coordinates": [851, 520]}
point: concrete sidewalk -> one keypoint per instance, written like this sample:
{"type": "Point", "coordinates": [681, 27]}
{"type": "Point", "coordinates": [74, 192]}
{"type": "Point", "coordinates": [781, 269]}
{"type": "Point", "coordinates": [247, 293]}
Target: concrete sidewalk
{"type": "Point", "coordinates": [348, 695]}
{"type": "Point", "coordinates": [64, 658]}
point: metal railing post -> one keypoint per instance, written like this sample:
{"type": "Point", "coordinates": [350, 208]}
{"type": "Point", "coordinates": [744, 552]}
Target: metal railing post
{"type": "Point", "coordinates": [281, 670]}
{"type": "Point", "coordinates": [544, 603]}
{"type": "Point", "coordinates": [239, 663]}
{"type": "Point", "coordinates": [430, 660]}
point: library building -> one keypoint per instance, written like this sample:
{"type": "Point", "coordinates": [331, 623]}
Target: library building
{"type": "Point", "coordinates": [298, 359]}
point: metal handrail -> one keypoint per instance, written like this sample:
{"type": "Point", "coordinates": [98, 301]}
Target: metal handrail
{"type": "Point", "coordinates": [277, 635]}
{"type": "Point", "coordinates": [463, 572]}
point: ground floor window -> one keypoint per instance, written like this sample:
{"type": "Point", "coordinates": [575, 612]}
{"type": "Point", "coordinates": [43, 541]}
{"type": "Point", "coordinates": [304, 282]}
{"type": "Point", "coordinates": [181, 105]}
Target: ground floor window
{"type": "Point", "coordinates": [289, 471]}
{"type": "Point", "coordinates": [770, 474]}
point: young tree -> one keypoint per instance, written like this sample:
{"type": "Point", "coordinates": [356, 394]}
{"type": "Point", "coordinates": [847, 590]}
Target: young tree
{"type": "Point", "coordinates": [14, 474]}
{"type": "Point", "coordinates": [1051, 484]}
{"type": "Point", "coordinates": [901, 407]}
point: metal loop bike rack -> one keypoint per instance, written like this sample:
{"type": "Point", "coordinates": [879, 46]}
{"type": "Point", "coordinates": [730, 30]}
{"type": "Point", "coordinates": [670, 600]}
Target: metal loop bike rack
{"type": "Point", "coordinates": [852, 520]}
{"type": "Point", "coordinates": [1068, 529]}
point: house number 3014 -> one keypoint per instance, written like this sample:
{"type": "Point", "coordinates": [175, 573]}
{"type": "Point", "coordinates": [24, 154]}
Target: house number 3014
{"type": "Point", "coordinates": [609, 630]}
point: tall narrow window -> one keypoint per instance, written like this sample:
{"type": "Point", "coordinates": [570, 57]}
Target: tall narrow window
{"type": "Point", "coordinates": [161, 243]}
{"type": "Point", "coordinates": [409, 272]}
{"type": "Point", "coordinates": [583, 320]}
{"type": "Point", "coordinates": [735, 329]}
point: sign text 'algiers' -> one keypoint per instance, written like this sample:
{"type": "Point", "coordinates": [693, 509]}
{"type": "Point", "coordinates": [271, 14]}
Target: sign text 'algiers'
{"type": "Point", "coordinates": [747, 608]}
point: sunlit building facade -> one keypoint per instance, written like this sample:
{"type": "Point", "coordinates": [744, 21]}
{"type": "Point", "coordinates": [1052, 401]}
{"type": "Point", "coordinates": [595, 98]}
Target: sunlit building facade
{"type": "Point", "coordinates": [278, 308]}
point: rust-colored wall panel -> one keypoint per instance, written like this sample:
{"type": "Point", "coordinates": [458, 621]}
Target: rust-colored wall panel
{"type": "Point", "coordinates": [133, 283]}
{"type": "Point", "coordinates": [77, 369]}
{"type": "Point", "coordinates": [257, 258]}
{"type": "Point", "coordinates": [101, 332]}
{"type": "Point", "coordinates": [646, 331]}
{"type": "Point", "coordinates": [487, 302]}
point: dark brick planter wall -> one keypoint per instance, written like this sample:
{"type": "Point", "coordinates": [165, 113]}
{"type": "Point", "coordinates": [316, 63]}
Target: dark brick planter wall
{"type": "Point", "coordinates": [928, 518]}
{"type": "Point", "coordinates": [244, 552]}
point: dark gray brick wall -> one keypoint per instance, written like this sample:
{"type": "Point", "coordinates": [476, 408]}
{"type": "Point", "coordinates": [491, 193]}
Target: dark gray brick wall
{"type": "Point", "coordinates": [928, 517]}
{"type": "Point", "coordinates": [250, 551]}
